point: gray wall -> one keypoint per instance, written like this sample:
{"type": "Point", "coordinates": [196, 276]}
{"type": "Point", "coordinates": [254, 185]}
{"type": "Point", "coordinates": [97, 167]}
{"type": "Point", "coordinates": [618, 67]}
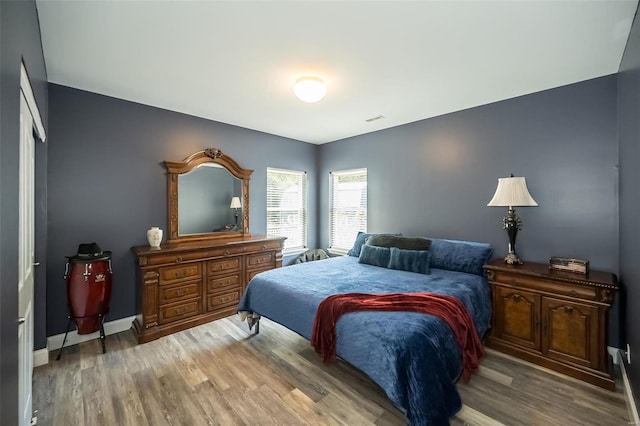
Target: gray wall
{"type": "Point", "coordinates": [19, 39]}
{"type": "Point", "coordinates": [629, 136]}
{"type": "Point", "coordinates": [107, 183]}
{"type": "Point", "coordinates": [435, 177]}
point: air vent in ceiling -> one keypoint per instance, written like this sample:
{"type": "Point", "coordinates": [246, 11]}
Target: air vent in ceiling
{"type": "Point", "coordinates": [377, 117]}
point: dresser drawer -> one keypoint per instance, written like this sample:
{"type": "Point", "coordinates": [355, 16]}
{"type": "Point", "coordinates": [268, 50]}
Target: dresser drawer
{"type": "Point", "coordinates": [215, 285]}
{"type": "Point", "coordinates": [176, 293]}
{"type": "Point", "coordinates": [246, 249]}
{"type": "Point", "coordinates": [168, 259]}
{"type": "Point", "coordinates": [180, 273]}
{"type": "Point", "coordinates": [260, 260]}
{"type": "Point", "coordinates": [179, 311]}
{"type": "Point", "coordinates": [224, 265]}
{"type": "Point", "coordinates": [222, 300]}
{"type": "Point", "coordinates": [251, 274]}
{"type": "Point", "coordinates": [227, 251]}
{"type": "Point", "coordinates": [267, 245]}
{"type": "Point", "coordinates": [545, 285]}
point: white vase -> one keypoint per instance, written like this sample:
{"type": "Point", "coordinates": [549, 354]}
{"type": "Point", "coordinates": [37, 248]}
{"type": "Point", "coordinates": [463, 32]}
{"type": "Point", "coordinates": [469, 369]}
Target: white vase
{"type": "Point", "coordinates": [154, 236]}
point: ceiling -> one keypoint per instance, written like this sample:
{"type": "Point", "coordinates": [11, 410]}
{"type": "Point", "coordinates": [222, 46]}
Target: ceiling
{"type": "Point", "coordinates": [236, 61]}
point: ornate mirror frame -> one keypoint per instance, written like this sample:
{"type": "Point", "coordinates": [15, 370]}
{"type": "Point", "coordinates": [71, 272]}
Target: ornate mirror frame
{"type": "Point", "coordinates": [209, 155]}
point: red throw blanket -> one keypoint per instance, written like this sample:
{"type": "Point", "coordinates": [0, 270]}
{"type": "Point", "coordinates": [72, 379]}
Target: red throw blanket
{"type": "Point", "coordinates": [448, 308]}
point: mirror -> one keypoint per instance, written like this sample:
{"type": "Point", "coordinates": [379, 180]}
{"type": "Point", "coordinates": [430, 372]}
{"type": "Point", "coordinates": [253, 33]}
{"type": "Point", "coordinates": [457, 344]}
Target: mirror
{"type": "Point", "coordinates": [205, 195]}
{"type": "Point", "coordinates": [208, 197]}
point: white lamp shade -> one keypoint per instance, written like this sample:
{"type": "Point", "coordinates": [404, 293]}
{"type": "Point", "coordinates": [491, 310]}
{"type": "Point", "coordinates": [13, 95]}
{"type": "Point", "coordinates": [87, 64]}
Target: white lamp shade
{"type": "Point", "coordinates": [235, 203]}
{"type": "Point", "coordinates": [512, 192]}
{"type": "Point", "coordinates": [310, 89]}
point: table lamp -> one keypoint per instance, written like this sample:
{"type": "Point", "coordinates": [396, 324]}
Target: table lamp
{"type": "Point", "coordinates": [235, 204]}
{"type": "Point", "coordinates": [512, 192]}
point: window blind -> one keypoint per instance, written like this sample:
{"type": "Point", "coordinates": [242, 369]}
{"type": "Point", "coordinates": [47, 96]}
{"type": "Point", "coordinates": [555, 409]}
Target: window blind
{"type": "Point", "coordinates": [287, 207]}
{"type": "Point", "coordinates": [348, 207]}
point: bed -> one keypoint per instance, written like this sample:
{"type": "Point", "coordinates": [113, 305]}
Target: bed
{"type": "Point", "coordinates": [413, 357]}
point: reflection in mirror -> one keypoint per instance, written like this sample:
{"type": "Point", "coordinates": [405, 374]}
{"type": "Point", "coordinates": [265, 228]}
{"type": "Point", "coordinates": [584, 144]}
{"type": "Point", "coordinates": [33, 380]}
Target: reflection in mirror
{"type": "Point", "coordinates": [205, 198]}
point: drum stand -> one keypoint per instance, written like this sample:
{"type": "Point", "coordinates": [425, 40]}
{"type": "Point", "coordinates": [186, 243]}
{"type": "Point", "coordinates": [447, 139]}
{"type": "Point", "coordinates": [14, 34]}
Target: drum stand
{"type": "Point", "coordinates": [102, 336]}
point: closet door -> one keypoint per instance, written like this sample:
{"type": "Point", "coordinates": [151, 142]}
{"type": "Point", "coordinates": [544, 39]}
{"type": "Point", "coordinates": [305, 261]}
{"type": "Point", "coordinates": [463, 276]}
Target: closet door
{"type": "Point", "coordinates": [25, 262]}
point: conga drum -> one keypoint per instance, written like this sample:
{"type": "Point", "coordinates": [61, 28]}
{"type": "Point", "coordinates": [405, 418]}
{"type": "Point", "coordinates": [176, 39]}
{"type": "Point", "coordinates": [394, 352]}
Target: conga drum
{"type": "Point", "coordinates": [88, 275]}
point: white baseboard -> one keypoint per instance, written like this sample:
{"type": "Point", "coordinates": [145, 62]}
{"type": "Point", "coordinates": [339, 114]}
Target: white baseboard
{"type": "Point", "coordinates": [112, 327]}
{"type": "Point", "coordinates": [634, 419]}
{"type": "Point", "coordinates": [40, 357]}
{"type": "Point", "coordinates": [613, 353]}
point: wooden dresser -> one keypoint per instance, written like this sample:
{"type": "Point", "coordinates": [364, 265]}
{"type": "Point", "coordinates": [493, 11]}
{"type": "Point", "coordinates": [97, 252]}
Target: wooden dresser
{"type": "Point", "coordinates": [184, 284]}
{"type": "Point", "coordinates": [553, 318]}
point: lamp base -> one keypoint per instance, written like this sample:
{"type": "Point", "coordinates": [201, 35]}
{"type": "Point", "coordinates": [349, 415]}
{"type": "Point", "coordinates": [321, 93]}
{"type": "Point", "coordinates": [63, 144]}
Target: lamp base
{"type": "Point", "coordinates": [512, 259]}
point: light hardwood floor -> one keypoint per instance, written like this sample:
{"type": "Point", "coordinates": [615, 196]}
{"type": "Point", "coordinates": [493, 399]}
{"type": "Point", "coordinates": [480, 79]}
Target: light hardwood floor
{"type": "Point", "coordinates": [220, 374]}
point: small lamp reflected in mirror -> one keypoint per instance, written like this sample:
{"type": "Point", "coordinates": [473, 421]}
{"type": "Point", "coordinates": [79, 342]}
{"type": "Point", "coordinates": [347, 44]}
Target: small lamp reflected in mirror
{"type": "Point", "coordinates": [235, 204]}
{"type": "Point", "coordinates": [512, 192]}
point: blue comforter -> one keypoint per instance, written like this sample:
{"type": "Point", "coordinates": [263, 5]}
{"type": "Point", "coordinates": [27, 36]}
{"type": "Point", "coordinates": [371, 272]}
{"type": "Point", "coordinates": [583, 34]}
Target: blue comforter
{"type": "Point", "coordinates": [413, 357]}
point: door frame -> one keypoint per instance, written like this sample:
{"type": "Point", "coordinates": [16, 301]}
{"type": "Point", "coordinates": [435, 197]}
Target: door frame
{"type": "Point", "coordinates": [26, 93]}
{"type": "Point", "coordinates": [25, 87]}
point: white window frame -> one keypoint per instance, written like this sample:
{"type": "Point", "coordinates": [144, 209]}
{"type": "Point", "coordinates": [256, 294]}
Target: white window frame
{"type": "Point", "coordinates": [340, 239]}
{"type": "Point", "coordinates": [296, 237]}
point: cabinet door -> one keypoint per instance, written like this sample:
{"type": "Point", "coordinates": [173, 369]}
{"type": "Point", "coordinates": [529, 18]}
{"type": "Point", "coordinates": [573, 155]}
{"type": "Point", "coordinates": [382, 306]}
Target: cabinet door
{"type": "Point", "coordinates": [570, 332]}
{"type": "Point", "coordinates": [517, 317]}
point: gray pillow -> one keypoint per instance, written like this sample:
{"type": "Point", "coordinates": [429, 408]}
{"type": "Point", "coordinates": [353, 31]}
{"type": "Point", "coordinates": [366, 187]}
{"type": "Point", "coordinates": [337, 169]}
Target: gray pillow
{"type": "Point", "coordinates": [405, 243]}
{"type": "Point", "coordinates": [361, 239]}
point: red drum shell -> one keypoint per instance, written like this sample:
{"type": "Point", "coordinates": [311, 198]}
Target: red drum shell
{"type": "Point", "coordinates": [88, 292]}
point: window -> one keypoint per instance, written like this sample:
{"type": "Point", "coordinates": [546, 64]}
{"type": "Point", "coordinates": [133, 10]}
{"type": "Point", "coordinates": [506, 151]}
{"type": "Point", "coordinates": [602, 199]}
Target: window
{"type": "Point", "coordinates": [348, 208]}
{"type": "Point", "coordinates": [287, 207]}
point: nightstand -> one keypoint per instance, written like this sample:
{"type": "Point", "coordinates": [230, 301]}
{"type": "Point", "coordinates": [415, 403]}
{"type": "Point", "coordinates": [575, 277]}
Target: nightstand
{"type": "Point", "coordinates": [555, 319]}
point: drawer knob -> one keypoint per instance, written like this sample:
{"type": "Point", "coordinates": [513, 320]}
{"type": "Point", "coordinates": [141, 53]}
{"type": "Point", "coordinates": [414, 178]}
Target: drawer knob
{"type": "Point", "coordinates": [178, 259]}
{"type": "Point", "coordinates": [226, 252]}
{"type": "Point", "coordinates": [568, 309]}
{"type": "Point", "coordinates": [573, 293]}
{"type": "Point", "coordinates": [516, 297]}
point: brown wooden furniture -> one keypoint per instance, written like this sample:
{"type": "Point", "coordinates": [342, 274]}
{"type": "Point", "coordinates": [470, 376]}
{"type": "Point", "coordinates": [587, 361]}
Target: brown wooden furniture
{"type": "Point", "coordinates": [208, 157]}
{"type": "Point", "coordinates": [182, 285]}
{"type": "Point", "coordinates": [199, 277]}
{"type": "Point", "coordinates": [553, 318]}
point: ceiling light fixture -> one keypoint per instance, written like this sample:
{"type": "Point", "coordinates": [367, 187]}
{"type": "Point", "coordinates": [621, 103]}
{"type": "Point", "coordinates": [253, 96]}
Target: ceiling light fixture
{"type": "Point", "coordinates": [310, 89]}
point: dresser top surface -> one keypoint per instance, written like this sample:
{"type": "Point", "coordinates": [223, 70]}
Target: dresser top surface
{"type": "Point", "coordinates": [205, 244]}
{"type": "Point", "coordinates": [542, 270]}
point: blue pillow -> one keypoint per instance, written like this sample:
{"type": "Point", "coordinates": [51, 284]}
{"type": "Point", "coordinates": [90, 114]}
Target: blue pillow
{"type": "Point", "coordinates": [410, 260]}
{"type": "Point", "coordinates": [361, 239]}
{"type": "Point", "coordinates": [461, 256]}
{"type": "Point", "coordinates": [373, 255]}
